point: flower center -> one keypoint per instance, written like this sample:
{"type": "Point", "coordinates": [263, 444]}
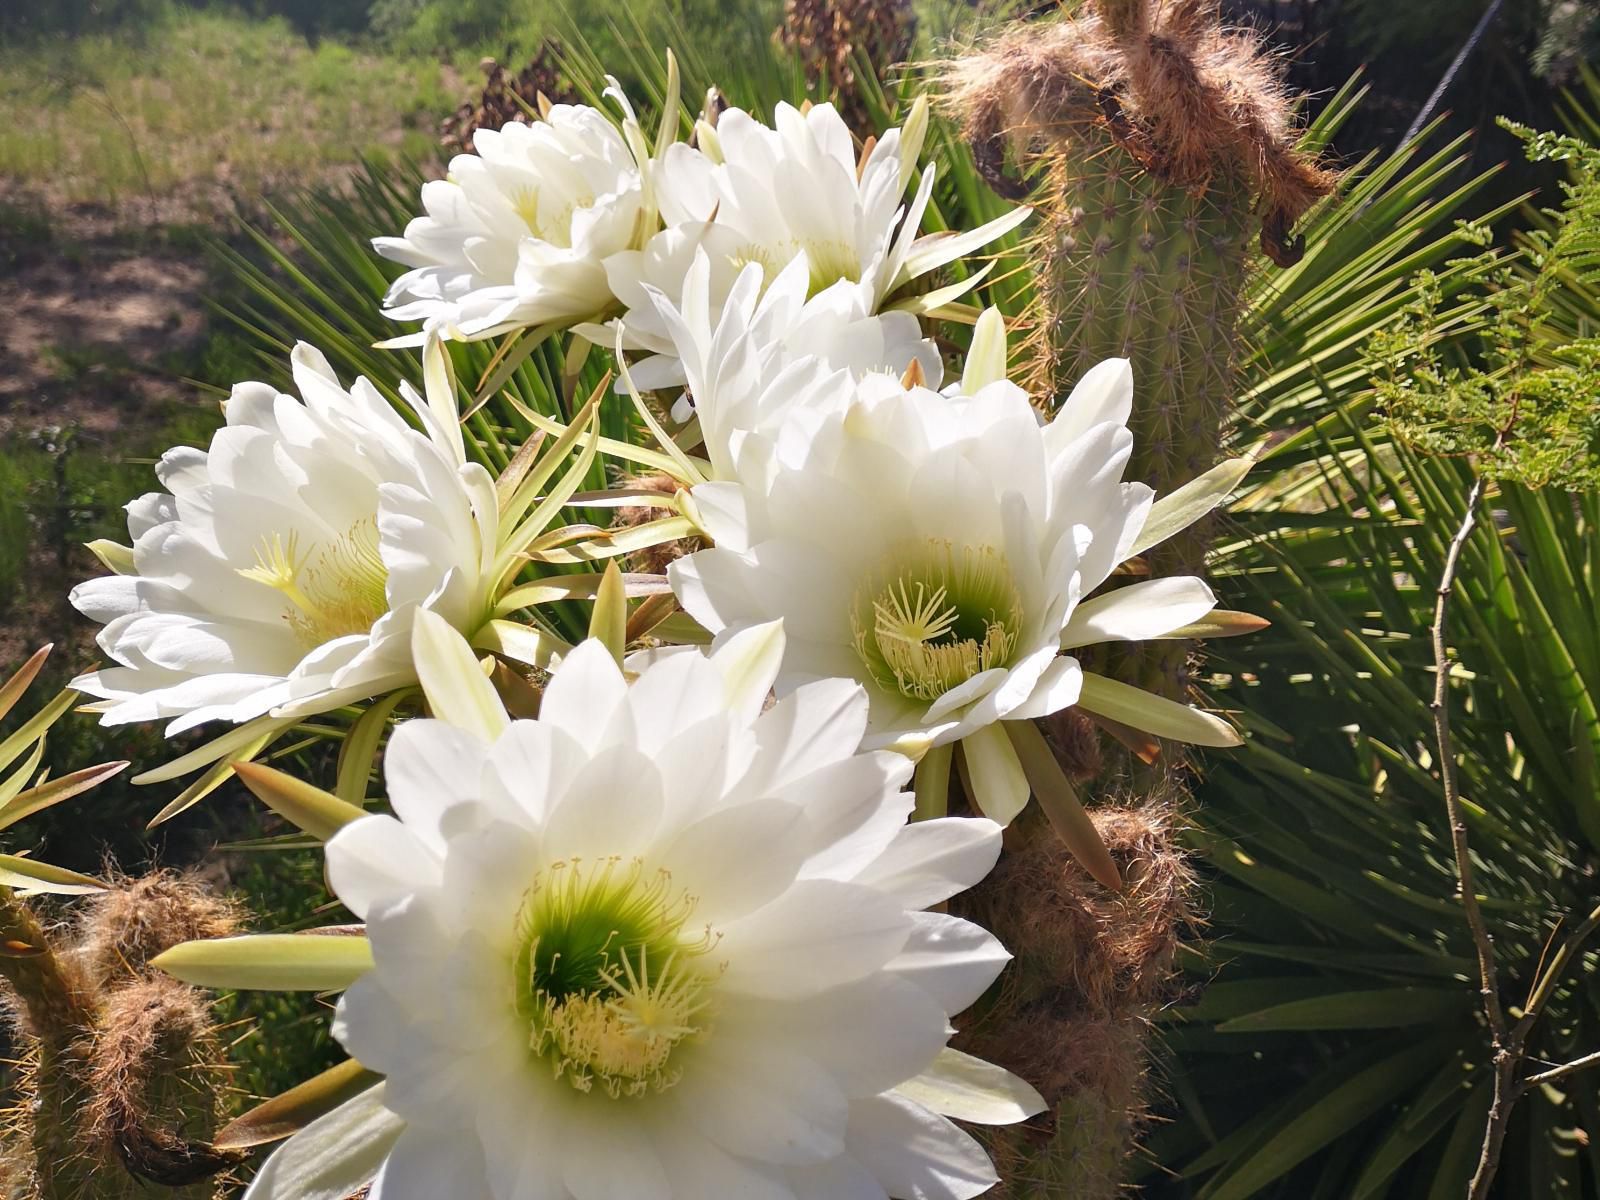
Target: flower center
{"type": "Point", "coordinates": [334, 590]}
{"type": "Point", "coordinates": [556, 229]}
{"type": "Point", "coordinates": [939, 616]}
{"type": "Point", "coordinates": [829, 262]}
{"type": "Point", "coordinates": [611, 976]}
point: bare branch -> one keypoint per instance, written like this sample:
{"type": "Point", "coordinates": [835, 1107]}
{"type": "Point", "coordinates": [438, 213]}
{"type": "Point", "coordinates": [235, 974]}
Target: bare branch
{"type": "Point", "coordinates": [1484, 943]}
{"type": "Point", "coordinates": [1508, 1044]}
{"type": "Point", "coordinates": [1488, 976]}
{"type": "Point", "coordinates": [1577, 1064]}
{"type": "Point", "coordinates": [1554, 969]}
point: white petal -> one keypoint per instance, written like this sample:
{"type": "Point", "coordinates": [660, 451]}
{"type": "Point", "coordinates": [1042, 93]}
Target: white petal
{"type": "Point", "coordinates": [930, 861]}
{"type": "Point", "coordinates": [1147, 609]}
{"type": "Point", "coordinates": [1155, 714]}
{"type": "Point", "coordinates": [953, 960]}
{"type": "Point", "coordinates": [583, 694]}
{"type": "Point", "coordinates": [1000, 789]}
{"type": "Point", "coordinates": [613, 806]}
{"type": "Point", "coordinates": [430, 766]}
{"type": "Point", "coordinates": [749, 661]}
{"type": "Point", "coordinates": [915, 1153]}
{"type": "Point", "coordinates": [620, 1164]}
{"type": "Point", "coordinates": [1104, 394]}
{"type": "Point", "coordinates": [431, 1165]}
{"type": "Point", "coordinates": [1057, 688]}
{"type": "Point", "coordinates": [986, 357]}
{"type": "Point", "coordinates": [818, 934]}
{"type": "Point", "coordinates": [869, 1035]}
{"type": "Point", "coordinates": [335, 1155]}
{"type": "Point", "coordinates": [842, 1179]}
{"type": "Point", "coordinates": [737, 859]}
{"type": "Point", "coordinates": [969, 1089]}
{"type": "Point", "coordinates": [768, 1105]}
{"type": "Point", "coordinates": [376, 860]}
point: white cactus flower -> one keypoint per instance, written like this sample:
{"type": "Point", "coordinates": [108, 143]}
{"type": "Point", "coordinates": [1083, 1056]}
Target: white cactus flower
{"type": "Point", "coordinates": [518, 234]}
{"type": "Point", "coordinates": [282, 568]}
{"type": "Point", "coordinates": [938, 549]}
{"type": "Point", "coordinates": [750, 195]}
{"type": "Point", "coordinates": [658, 944]}
{"type": "Point", "coordinates": [742, 355]}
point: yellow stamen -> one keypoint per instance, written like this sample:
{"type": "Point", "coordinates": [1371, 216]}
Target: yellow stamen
{"type": "Point", "coordinates": [338, 589]}
{"type": "Point", "coordinates": [947, 616]}
{"type": "Point", "coordinates": [599, 1012]}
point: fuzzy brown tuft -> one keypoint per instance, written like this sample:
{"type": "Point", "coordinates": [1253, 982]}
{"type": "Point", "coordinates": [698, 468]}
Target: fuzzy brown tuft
{"type": "Point", "coordinates": [1077, 744]}
{"type": "Point", "coordinates": [134, 920]}
{"type": "Point", "coordinates": [507, 99]}
{"type": "Point", "coordinates": [1072, 1012]}
{"type": "Point", "coordinates": [44, 994]}
{"type": "Point", "coordinates": [119, 1078]}
{"type": "Point", "coordinates": [1092, 953]}
{"type": "Point", "coordinates": [653, 560]}
{"type": "Point", "coordinates": [1185, 97]}
{"type": "Point", "coordinates": [154, 1057]}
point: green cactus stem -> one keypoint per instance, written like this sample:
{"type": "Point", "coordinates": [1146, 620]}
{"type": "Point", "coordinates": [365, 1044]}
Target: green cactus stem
{"type": "Point", "coordinates": [1161, 146]}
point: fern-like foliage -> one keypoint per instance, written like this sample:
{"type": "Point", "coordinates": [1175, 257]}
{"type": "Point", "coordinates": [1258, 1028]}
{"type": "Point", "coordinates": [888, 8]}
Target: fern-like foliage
{"type": "Point", "coordinates": [1521, 396]}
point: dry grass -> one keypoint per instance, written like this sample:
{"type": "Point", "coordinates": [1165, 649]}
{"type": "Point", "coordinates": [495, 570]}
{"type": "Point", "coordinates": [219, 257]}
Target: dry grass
{"type": "Point", "coordinates": [202, 106]}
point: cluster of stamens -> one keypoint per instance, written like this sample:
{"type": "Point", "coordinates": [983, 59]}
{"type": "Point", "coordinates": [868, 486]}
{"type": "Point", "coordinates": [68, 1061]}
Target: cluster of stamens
{"type": "Point", "coordinates": [941, 616]}
{"type": "Point", "coordinates": [335, 590]}
{"type": "Point", "coordinates": [612, 978]}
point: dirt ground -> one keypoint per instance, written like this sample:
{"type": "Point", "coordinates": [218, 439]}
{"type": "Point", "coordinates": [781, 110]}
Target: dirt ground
{"type": "Point", "coordinates": [85, 331]}
{"type": "Point", "coordinates": [96, 308]}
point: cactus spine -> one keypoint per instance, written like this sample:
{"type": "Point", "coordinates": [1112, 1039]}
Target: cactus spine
{"type": "Point", "coordinates": [1164, 144]}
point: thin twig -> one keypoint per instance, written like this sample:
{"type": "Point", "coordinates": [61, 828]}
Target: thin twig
{"type": "Point", "coordinates": [1452, 71]}
{"type": "Point", "coordinates": [1577, 1064]}
{"type": "Point", "coordinates": [1488, 976]}
{"type": "Point", "coordinates": [1545, 985]}
{"type": "Point", "coordinates": [1508, 1044]}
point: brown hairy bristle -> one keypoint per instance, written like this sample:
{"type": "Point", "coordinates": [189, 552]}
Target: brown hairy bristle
{"type": "Point", "coordinates": [135, 919]}
{"type": "Point", "coordinates": [834, 38]}
{"type": "Point", "coordinates": [1185, 96]}
{"type": "Point", "coordinates": [652, 560]}
{"type": "Point", "coordinates": [153, 1059]}
{"type": "Point", "coordinates": [1071, 1016]}
{"type": "Point", "coordinates": [1093, 950]}
{"type": "Point", "coordinates": [508, 99]}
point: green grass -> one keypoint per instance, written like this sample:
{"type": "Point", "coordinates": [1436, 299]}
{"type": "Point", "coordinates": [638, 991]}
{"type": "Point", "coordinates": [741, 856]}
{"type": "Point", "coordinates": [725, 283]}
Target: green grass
{"type": "Point", "coordinates": [202, 100]}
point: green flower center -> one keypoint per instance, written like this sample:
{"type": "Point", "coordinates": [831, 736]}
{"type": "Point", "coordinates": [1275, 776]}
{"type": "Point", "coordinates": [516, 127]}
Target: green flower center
{"type": "Point", "coordinates": [611, 976]}
{"type": "Point", "coordinates": [829, 262]}
{"type": "Point", "coordinates": [334, 590]}
{"type": "Point", "coordinates": [940, 615]}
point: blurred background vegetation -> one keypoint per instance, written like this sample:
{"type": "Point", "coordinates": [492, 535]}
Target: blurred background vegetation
{"type": "Point", "coordinates": [187, 188]}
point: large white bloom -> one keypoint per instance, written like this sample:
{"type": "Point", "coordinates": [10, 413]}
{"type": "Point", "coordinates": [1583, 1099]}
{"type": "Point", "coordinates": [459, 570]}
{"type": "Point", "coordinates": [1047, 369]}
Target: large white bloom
{"type": "Point", "coordinates": [518, 233]}
{"type": "Point", "coordinates": [743, 356]}
{"type": "Point", "coordinates": [792, 193]}
{"type": "Point", "coordinates": [658, 945]}
{"type": "Point", "coordinates": [282, 568]}
{"type": "Point", "coordinates": [936, 547]}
